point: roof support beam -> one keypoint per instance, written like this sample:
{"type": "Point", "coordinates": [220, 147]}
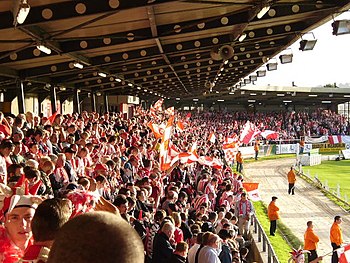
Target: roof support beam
{"type": "Point", "coordinates": [153, 24]}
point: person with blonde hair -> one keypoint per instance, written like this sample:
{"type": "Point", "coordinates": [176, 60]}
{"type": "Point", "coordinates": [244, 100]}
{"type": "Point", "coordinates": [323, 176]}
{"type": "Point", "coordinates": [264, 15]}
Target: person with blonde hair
{"type": "Point", "coordinates": [211, 250]}
{"type": "Point", "coordinates": [178, 234]}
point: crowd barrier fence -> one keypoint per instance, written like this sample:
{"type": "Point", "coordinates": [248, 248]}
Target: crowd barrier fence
{"type": "Point", "coordinates": [264, 241]}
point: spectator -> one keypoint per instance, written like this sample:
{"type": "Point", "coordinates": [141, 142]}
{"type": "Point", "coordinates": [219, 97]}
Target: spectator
{"type": "Point", "coordinates": [110, 239]}
{"type": "Point", "coordinates": [162, 245]}
{"type": "Point", "coordinates": [180, 253]}
{"type": "Point", "coordinates": [49, 217]}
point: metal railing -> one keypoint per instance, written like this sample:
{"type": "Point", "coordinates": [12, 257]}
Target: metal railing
{"type": "Point", "coordinates": [262, 237]}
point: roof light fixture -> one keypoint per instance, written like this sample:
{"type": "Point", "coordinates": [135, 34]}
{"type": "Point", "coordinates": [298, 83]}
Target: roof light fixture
{"type": "Point", "coordinates": [263, 11]}
{"type": "Point", "coordinates": [23, 11]}
{"type": "Point", "coordinates": [261, 73]}
{"type": "Point", "coordinates": [286, 57]}
{"type": "Point", "coordinates": [341, 27]}
{"type": "Point", "coordinates": [78, 65]}
{"type": "Point", "coordinates": [253, 77]}
{"type": "Point", "coordinates": [44, 49]}
{"type": "Point", "coordinates": [271, 66]}
{"type": "Point", "coordinates": [307, 44]}
{"type": "Point", "coordinates": [242, 37]}
{"type": "Point", "coordinates": [102, 74]}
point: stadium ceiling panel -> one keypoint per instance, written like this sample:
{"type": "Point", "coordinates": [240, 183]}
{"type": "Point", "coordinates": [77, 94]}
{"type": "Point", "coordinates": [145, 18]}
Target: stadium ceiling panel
{"type": "Point", "coordinates": [175, 49]}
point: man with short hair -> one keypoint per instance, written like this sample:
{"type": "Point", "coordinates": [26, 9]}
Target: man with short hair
{"type": "Point", "coordinates": [209, 253]}
{"type": "Point", "coordinates": [291, 181]}
{"type": "Point", "coordinates": [310, 241]}
{"type": "Point", "coordinates": [180, 253]}
{"type": "Point", "coordinates": [243, 210]}
{"type": "Point", "coordinates": [48, 219]}
{"type": "Point", "coordinates": [336, 237]}
{"type": "Point", "coordinates": [17, 213]}
{"type": "Point", "coordinates": [272, 212]}
{"type": "Point", "coordinates": [121, 202]}
{"type": "Point", "coordinates": [162, 244]}
{"type": "Point", "coordinates": [97, 237]}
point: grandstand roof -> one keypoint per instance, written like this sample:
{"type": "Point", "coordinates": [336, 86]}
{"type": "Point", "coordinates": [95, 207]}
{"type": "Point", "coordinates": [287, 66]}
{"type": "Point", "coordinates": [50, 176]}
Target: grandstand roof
{"type": "Point", "coordinates": [161, 46]}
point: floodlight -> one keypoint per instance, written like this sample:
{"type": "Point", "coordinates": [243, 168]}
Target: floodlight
{"type": "Point", "coordinates": [246, 81]}
{"type": "Point", "coordinates": [253, 77]}
{"type": "Point", "coordinates": [341, 27]}
{"type": "Point", "coordinates": [261, 73]}
{"type": "Point", "coordinates": [306, 45]}
{"type": "Point", "coordinates": [286, 58]}
{"type": "Point", "coordinates": [271, 66]}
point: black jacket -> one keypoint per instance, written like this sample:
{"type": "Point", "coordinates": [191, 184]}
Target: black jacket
{"type": "Point", "coordinates": [177, 259]}
{"type": "Point", "coordinates": [162, 249]}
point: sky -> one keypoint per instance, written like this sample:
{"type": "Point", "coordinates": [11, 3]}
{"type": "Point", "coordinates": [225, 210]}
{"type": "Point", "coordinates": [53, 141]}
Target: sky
{"type": "Point", "coordinates": [327, 63]}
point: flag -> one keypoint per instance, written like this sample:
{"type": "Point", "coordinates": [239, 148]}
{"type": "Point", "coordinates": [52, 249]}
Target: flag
{"type": "Point", "coordinates": [180, 126]}
{"type": "Point", "coordinates": [164, 157]}
{"type": "Point", "coordinates": [51, 119]}
{"type": "Point", "coordinates": [344, 254]}
{"type": "Point", "coordinates": [155, 129]}
{"type": "Point", "coordinates": [252, 190]}
{"type": "Point", "coordinates": [170, 111]}
{"type": "Point", "coordinates": [270, 135]}
{"type": "Point", "coordinates": [249, 132]}
{"type": "Point", "coordinates": [158, 105]}
{"type": "Point", "coordinates": [335, 139]}
{"type": "Point", "coordinates": [188, 116]}
{"type": "Point", "coordinates": [212, 137]}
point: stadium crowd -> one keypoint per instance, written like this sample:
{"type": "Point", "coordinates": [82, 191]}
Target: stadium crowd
{"type": "Point", "coordinates": [88, 162]}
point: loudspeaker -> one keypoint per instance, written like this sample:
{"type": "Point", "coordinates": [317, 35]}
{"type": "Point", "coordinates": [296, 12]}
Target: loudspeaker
{"type": "Point", "coordinates": [214, 53]}
{"type": "Point", "coordinates": [226, 52]}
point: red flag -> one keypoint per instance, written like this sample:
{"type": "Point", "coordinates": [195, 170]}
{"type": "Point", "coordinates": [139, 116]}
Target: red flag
{"type": "Point", "coordinates": [270, 135]}
{"type": "Point", "coordinates": [248, 133]}
{"type": "Point", "coordinates": [252, 190]}
{"type": "Point", "coordinates": [344, 254]}
{"type": "Point", "coordinates": [212, 137]}
{"type": "Point", "coordinates": [180, 125]}
{"type": "Point", "coordinates": [170, 111]}
{"type": "Point", "coordinates": [51, 119]}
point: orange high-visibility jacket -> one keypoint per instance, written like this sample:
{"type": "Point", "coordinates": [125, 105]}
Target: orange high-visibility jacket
{"type": "Point", "coordinates": [272, 211]}
{"type": "Point", "coordinates": [310, 239]}
{"type": "Point", "coordinates": [336, 235]}
{"type": "Point", "coordinates": [239, 158]}
{"type": "Point", "coordinates": [291, 177]}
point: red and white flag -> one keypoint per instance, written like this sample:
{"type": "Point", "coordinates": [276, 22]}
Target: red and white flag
{"type": "Point", "coordinates": [180, 126]}
{"type": "Point", "coordinates": [270, 135]}
{"type": "Point", "coordinates": [170, 111]}
{"type": "Point", "coordinates": [155, 129]}
{"type": "Point", "coordinates": [248, 133]}
{"type": "Point", "coordinates": [344, 254]}
{"type": "Point", "coordinates": [252, 190]}
{"type": "Point", "coordinates": [158, 105]}
{"type": "Point", "coordinates": [212, 137]}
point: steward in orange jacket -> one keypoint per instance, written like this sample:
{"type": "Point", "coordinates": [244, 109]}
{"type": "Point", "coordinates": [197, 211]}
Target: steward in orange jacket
{"type": "Point", "coordinates": [291, 181]}
{"type": "Point", "coordinates": [272, 212]}
{"type": "Point", "coordinates": [336, 238]}
{"type": "Point", "coordinates": [310, 241]}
